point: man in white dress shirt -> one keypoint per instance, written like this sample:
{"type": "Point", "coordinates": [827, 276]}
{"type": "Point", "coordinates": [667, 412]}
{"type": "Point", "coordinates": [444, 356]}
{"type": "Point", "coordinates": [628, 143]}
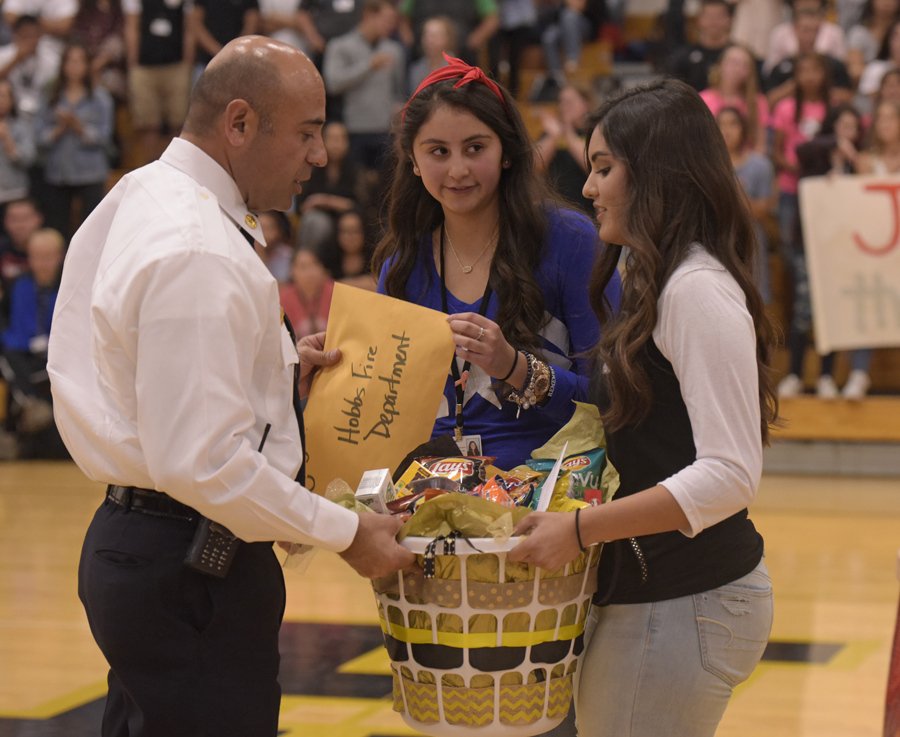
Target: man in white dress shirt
{"type": "Point", "coordinates": [173, 371]}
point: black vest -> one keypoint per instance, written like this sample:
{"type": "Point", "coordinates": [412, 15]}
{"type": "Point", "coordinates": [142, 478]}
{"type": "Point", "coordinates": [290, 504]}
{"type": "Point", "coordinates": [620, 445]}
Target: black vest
{"type": "Point", "coordinates": [162, 32]}
{"type": "Point", "coordinates": [645, 455]}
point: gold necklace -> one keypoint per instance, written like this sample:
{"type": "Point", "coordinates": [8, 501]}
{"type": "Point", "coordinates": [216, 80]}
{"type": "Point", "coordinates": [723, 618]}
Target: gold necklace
{"type": "Point", "coordinates": [468, 269]}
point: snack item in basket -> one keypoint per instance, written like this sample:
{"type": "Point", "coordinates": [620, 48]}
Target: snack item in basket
{"type": "Point", "coordinates": [441, 446]}
{"type": "Point", "coordinates": [494, 489]}
{"type": "Point", "coordinates": [375, 490]}
{"type": "Point", "coordinates": [563, 503]}
{"type": "Point", "coordinates": [521, 475]}
{"type": "Point", "coordinates": [523, 495]}
{"type": "Point", "coordinates": [409, 503]}
{"type": "Point", "coordinates": [413, 473]}
{"type": "Point", "coordinates": [593, 496]}
{"type": "Point", "coordinates": [433, 482]}
{"type": "Point", "coordinates": [469, 471]}
{"type": "Point", "coordinates": [581, 471]}
{"type": "Point", "coordinates": [520, 484]}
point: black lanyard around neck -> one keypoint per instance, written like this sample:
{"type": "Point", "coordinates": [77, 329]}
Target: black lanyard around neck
{"type": "Point", "coordinates": [298, 405]}
{"type": "Point", "coordinates": [454, 368]}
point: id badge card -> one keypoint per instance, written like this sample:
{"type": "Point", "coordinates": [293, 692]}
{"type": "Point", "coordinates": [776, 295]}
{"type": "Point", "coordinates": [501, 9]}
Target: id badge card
{"type": "Point", "coordinates": [470, 445]}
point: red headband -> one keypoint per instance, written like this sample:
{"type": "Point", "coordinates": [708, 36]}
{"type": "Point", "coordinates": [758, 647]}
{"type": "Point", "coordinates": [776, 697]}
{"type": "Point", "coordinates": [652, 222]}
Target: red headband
{"type": "Point", "coordinates": [458, 68]}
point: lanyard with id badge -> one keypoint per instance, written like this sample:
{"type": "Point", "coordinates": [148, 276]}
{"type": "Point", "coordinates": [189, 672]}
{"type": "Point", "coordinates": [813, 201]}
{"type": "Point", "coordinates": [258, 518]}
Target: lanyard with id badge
{"type": "Point", "coordinates": [465, 442]}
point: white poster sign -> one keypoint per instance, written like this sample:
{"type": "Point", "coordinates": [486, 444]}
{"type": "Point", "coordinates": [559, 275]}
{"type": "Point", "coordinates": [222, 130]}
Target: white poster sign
{"type": "Point", "coordinates": [851, 231]}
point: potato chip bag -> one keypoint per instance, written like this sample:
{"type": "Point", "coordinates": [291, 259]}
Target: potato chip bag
{"type": "Point", "coordinates": [580, 471]}
{"type": "Point", "coordinates": [468, 471]}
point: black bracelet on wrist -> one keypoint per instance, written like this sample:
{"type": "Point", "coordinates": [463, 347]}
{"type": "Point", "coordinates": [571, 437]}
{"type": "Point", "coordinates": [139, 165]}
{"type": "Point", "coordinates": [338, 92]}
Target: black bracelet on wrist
{"type": "Point", "coordinates": [578, 530]}
{"type": "Point", "coordinates": [515, 363]}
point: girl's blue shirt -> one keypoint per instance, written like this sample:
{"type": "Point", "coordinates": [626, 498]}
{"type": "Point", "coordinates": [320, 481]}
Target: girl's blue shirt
{"type": "Point", "coordinates": [572, 330]}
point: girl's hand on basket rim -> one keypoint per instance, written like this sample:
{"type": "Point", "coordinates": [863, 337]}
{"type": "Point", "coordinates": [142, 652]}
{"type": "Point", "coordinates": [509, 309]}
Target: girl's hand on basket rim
{"type": "Point", "coordinates": [480, 341]}
{"type": "Point", "coordinates": [550, 540]}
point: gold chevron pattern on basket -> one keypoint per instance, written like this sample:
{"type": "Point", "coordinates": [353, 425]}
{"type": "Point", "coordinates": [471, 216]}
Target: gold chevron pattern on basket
{"type": "Point", "coordinates": [555, 591]}
{"type": "Point", "coordinates": [560, 697]}
{"type": "Point", "coordinates": [468, 707]}
{"type": "Point", "coordinates": [421, 699]}
{"type": "Point", "coordinates": [522, 705]}
{"type": "Point", "coordinates": [397, 692]}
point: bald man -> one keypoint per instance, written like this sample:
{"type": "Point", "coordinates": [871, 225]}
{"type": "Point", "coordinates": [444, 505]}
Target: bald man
{"type": "Point", "coordinates": [174, 380]}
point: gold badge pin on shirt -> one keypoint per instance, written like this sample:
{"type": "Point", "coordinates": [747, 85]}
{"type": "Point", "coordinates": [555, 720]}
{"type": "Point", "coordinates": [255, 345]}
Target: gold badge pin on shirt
{"type": "Point", "coordinates": [251, 221]}
{"type": "Point", "coordinates": [282, 315]}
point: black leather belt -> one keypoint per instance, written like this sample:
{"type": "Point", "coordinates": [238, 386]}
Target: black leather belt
{"type": "Point", "coordinates": [147, 501]}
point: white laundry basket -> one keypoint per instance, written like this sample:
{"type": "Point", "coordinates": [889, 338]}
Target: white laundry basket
{"type": "Point", "coordinates": [495, 657]}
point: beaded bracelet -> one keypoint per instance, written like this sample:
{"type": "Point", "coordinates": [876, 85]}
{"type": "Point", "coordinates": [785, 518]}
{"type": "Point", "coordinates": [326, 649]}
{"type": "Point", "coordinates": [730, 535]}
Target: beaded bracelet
{"type": "Point", "coordinates": [527, 398]}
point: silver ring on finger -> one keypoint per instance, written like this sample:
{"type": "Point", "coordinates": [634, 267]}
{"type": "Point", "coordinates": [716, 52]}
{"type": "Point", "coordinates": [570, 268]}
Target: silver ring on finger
{"type": "Point", "coordinates": [480, 334]}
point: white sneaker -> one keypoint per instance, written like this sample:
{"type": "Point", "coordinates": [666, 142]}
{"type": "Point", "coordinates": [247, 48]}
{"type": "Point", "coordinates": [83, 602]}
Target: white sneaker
{"type": "Point", "coordinates": [790, 386]}
{"type": "Point", "coordinates": [826, 388]}
{"type": "Point", "coordinates": [857, 385]}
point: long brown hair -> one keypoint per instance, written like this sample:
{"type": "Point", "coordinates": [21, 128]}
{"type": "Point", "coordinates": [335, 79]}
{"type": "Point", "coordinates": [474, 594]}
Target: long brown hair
{"type": "Point", "coordinates": [524, 197]}
{"type": "Point", "coordinates": [60, 84]}
{"type": "Point", "coordinates": [681, 190]}
{"type": "Point", "coordinates": [876, 145]}
{"type": "Point", "coordinates": [824, 92]}
{"type": "Point", "coordinates": [749, 90]}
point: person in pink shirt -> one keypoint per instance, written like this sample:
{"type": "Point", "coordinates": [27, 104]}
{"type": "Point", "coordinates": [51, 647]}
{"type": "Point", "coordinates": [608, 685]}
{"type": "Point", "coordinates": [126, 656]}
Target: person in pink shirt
{"type": "Point", "coordinates": [306, 300]}
{"type": "Point", "coordinates": [795, 120]}
{"type": "Point", "coordinates": [733, 83]}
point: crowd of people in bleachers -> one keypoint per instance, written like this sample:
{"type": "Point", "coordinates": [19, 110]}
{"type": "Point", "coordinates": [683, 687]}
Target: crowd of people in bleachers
{"type": "Point", "coordinates": [798, 97]}
{"type": "Point", "coordinates": [89, 88]}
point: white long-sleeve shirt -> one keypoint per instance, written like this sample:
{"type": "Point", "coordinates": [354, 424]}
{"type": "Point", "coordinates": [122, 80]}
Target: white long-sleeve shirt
{"type": "Point", "coordinates": [168, 356]}
{"type": "Point", "coordinates": [706, 332]}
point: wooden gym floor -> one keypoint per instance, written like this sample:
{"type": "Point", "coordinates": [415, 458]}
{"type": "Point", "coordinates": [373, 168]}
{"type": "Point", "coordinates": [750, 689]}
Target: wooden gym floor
{"type": "Point", "coordinates": [831, 547]}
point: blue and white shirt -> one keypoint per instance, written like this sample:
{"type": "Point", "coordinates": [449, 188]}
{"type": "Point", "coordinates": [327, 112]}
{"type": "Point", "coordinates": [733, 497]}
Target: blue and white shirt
{"type": "Point", "coordinates": [571, 330]}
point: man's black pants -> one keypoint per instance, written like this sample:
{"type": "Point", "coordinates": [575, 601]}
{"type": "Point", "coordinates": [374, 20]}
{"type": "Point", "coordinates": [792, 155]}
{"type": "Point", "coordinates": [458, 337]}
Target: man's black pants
{"type": "Point", "coordinates": [190, 655]}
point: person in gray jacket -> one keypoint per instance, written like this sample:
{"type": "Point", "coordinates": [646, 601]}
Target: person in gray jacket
{"type": "Point", "coordinates": [366, 67]}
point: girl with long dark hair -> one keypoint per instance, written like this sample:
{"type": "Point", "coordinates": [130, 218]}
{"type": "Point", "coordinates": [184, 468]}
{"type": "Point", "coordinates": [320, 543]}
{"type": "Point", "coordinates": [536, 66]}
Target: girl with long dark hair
{"type": "Point", "coordinates": [74, 129]}
{"type": "Point", "coordinates": [681, 377]}
{"type": "Point", "coordinates": [473, 230]}
{"type": "Point", "coordinates": [733, 83]}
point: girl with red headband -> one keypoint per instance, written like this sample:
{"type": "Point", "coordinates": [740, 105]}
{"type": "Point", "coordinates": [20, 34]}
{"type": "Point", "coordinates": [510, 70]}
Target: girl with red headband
{"type": "Point", "coordinates": [474, 231]}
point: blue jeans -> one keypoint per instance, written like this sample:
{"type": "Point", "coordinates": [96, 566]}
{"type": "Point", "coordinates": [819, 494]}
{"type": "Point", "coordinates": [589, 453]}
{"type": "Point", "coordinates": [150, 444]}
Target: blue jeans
{"type": "Point", "coordinates": [571, 29]}
{"type": "Point", "coordinates": [668, 668]}
{"type": "Point", "coordinates": [788, 214]}
{"type": "Point", "coordinates": [861, 359]}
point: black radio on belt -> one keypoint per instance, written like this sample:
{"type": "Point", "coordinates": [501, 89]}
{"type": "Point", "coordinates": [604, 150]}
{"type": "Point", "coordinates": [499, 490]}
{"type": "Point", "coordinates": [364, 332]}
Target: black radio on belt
{"type": "Point", "coordinates": [214, 546]}
{"type": "Point", "coordinates": [212, 549]}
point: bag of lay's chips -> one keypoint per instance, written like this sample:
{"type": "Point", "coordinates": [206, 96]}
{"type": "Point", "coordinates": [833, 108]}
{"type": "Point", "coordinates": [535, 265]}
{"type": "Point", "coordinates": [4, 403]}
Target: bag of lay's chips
{"type": "Point", "coordinates": [468, 471]}
{"type": "Point", "coordinates": [579, 472]}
